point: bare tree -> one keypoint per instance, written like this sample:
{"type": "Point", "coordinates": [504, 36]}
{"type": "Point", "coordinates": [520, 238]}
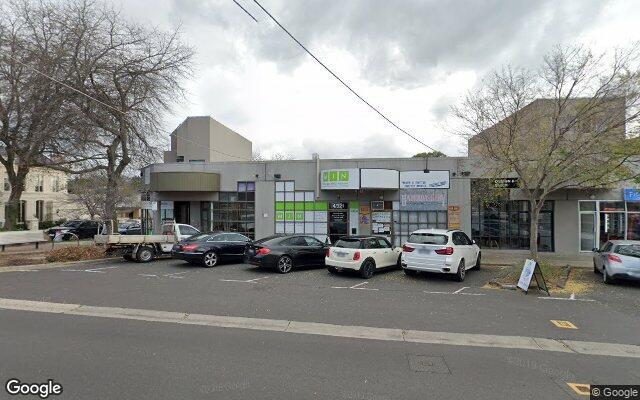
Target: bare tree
{"type": "Point", "coordinates": [35, 118]}
{"type": "Point", "coordinates": [92, 192]}
{"type": "Point", "coordinates": [568, 124]}
{"type": "Point", "coordinates": [257, 155]}
{"type": "Point", "coordinates": [131, 75]}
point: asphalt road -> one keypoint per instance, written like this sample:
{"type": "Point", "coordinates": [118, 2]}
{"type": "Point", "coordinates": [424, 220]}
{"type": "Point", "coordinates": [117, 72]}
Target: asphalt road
{"type": "Point", "coordinates": [94, 357]}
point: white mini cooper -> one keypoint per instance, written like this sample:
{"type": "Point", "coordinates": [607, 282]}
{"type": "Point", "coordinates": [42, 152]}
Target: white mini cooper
{"type": "Point", "coordinates": [365, 254]}
{"type": "Point", "coordinates": [440, 250]}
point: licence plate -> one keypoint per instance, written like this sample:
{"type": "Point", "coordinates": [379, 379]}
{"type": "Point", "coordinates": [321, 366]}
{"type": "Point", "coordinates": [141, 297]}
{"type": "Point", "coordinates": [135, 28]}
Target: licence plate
{"type": "Point", "coordinates": [340, 253]}
{"type": "Point", "coordinates": [424, 251]}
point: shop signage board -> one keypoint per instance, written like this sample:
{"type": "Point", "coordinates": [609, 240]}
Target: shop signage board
{"type": "Point", "coordinates": [631, 194]}
{"type": "Point", "coordinates": [423, 200]}
{"type": "Point", "coordinates": [166, 205]}
{"type": "Point", "coordinates": [340, 179]}
{"type": "Point", "coordinates": [506, 183]}
{"type": "Point", "coordinates": [424, 180]}
{"type": "Point", "coordinates": [453, 217]}
{"type": "Point", "coordinates": [378, 178]}
{"type": "Point", "coordinates": [531, 270]}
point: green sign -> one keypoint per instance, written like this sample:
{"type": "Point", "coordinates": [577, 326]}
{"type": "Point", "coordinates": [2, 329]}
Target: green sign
{"type": "Point", "coordinates": [340, 178]}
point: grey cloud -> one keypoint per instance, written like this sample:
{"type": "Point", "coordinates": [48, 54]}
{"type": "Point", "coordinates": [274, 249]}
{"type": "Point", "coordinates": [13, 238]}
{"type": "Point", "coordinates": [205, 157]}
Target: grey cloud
{"type": "Point", "coordinates": [404, 43]}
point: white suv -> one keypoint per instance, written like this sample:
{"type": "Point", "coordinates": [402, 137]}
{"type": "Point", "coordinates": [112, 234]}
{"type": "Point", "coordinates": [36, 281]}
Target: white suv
{"type": "Point", "coordinates": [439, 250]}
{"type": "Point", "coordinates": [362, 253]}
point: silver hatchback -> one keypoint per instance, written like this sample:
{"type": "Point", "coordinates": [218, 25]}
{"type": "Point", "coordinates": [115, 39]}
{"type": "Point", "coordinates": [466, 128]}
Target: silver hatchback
{"type": "Point", "coordinates": [617, 259]}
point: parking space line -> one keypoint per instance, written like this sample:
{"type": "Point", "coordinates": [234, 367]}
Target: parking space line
{"type": "Point", "coordinates": [98, 269]}
{"type": "Point", "coordinates": [460, 290]}
{"type": "Point", "coordinates": [241, 281]}
{"type": "Point", "coordinates": [355, 287]}
{"type": "Point", "coordinates": [148, 275]}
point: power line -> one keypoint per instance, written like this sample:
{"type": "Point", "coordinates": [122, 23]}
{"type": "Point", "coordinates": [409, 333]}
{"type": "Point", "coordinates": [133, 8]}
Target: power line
{"type": "Point", "coordinates": [338, 78]}
{"type": "Point", "coordinates": [110, 106]}
{"type": "Point", "coordinates": [247, 12]}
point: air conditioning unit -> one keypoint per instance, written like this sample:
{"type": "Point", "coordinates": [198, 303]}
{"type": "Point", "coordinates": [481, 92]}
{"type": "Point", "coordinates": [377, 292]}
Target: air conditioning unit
{"type": "Point", "coordinates": [377, 205]}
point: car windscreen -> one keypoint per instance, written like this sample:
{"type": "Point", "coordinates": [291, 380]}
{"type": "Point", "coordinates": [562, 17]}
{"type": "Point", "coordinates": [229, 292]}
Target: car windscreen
{"type": "Point", "coordinates": [631, 250]}
{"type": "Point", "coordinates": [427, 238]}
{"type": "Point", "coordinates": [201, 237]}
{"type": "Point", "coordinates": [349, 243]}
{"type": "Point", "coordinates": [72, 224]}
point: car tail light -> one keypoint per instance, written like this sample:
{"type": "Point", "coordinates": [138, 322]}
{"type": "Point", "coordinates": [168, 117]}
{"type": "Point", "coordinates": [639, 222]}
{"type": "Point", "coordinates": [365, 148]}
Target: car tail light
{"type": "Point", "coordinates": [356, 256]}
{"type": "Point", "coordinates": [407, 249]}
{"type": "Point", "coordinates": [327, 253]}
{"type": "Point", "coordinates": [189, 247]}
{"type": "Point", "coordinates": [614, 258]}
{"type": "Point", "coordinates": [263, 251]}
{"type": "Point", "coordinates": [445, 252]}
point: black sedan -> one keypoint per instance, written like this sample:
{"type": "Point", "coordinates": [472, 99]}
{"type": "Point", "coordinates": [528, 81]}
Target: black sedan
{"type": "Point", "coordinates": [286, 252]}
{"type": "Point", "coordinates": [210, 249]}
{"type": "Point", "coordinates": [81, 229]}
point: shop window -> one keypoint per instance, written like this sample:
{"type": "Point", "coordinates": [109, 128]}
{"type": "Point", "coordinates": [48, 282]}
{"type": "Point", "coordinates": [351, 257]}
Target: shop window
{"type": "Point", "coordinates": [505, 224]}
{"type": "Point", "coordinates": [405, 222]}
{"type": "Point", "coordinates": [233, 212]}
{"type": "Point", "coordinates": [40, 210]}
{"type": "Point", "coordinates": [298, 212]}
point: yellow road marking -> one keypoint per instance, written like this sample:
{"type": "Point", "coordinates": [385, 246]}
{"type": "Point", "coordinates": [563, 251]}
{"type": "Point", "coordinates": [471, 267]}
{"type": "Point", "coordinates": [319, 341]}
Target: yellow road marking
{"type": "Point", "coordinates": [563, 324]}
{"type": "Point", "coordinates": [583, 389]}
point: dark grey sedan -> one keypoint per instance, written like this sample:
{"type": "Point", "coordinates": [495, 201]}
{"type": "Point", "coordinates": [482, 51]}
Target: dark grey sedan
{"type": "Point", "coordinates": [617, 259]}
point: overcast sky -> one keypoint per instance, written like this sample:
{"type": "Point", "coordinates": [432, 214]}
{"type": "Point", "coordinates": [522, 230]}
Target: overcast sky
{"type": "Point", "coordinates": [410, 58]}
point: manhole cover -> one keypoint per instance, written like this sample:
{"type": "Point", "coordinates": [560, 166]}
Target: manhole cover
{"type": "Point", "coordinates": [432, 364]}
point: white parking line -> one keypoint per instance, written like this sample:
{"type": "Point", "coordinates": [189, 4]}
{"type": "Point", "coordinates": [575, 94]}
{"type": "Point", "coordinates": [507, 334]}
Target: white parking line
{"type": "Point", "coordinates": [148, 275]}
{"type": "Point", "coordinates": [459, 291]}
{"type": "Point", "coordinates": [356, 287]}
{"type": "Point", "coordinates": [241, 281]}
{"type": "Point", "coordinates": [94, 270]}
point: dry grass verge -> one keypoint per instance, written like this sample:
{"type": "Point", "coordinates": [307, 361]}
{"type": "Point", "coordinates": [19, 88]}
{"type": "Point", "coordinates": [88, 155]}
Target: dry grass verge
{"type": "Point", "coordinates": [75, 253]}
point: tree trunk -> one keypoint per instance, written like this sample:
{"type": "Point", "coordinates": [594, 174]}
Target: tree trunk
{"type": "Point", "coordinates": [12, 211]}
{"type": "Point", "coordinates": [110, 202]}
{"type": "Point", "coordinates": [536, 207]}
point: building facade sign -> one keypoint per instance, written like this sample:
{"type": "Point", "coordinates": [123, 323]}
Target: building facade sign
{"type": "Point", "coordinates": [631, 194]}
{"type": "Point", "coordinates": [453, 217]}
{"type": "Point", "coordinates": [377, 178]}
{"type": "Point", "coordinates": [340, 179]}
{"type": "Point", "coordinates": [423, 199]}
{"type": "Point", "coordinates": [424, 180]}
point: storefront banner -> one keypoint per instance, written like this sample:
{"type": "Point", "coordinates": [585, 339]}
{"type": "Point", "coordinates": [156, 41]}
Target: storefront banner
{"type": "Point", "coordinates": [423, 199]}
{"type": "Point", "coordinates": [424, 180]}
{"type": "Point", "coordinates": [340, 179]}
{"type": "Point", "coordinates": [631, 194]}
{"type": "Point", "coordinates": [375, 178]}
{"type": "Point", "coordinates": [453, 217]}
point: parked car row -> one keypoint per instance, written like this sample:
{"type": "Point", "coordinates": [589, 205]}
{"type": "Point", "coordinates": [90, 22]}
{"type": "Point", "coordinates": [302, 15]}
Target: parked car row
{"type": "Point", "coordinates": [429, 250]}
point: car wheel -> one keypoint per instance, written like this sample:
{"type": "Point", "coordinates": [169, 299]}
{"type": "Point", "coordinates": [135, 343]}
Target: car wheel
{"type": "Point", "coordinates": [284, 265]}
{"type": "Point", "coordinates": [478, 262]}
{"type": "Point", "coordinates": [367, 269]}
{"type": "Point", "coordinates": [461, 272]}
{"type": "Point", "coordinates": [410, 272]}
{"type": "Point", "coordinates": [333, 270]}
{"type": "Point", "coordinates": [606, 278]}
{"type": "Point", "coordinates": [210, 259]}
{"type": "Point", "coordinates": [145, 254]}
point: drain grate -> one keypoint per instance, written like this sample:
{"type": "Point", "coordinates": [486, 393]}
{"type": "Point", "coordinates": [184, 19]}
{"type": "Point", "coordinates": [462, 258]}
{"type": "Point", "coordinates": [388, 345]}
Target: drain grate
{"type": "Point", "coordinates": [431, 364]}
